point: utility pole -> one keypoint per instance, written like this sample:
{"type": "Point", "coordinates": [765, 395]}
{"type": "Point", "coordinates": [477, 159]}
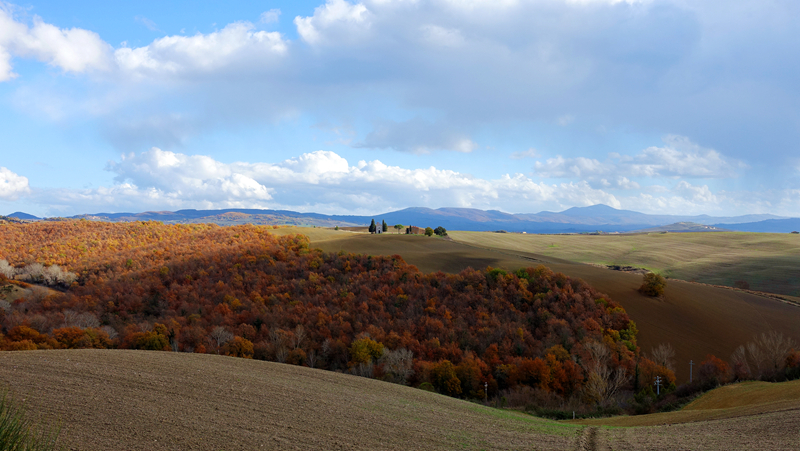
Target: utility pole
{"type": "Point", "coordinates": [691, 363]}
{"type": "Point", "coordinates": [486, 390]}
{"type": "Point", "coordinates": [658, 385]}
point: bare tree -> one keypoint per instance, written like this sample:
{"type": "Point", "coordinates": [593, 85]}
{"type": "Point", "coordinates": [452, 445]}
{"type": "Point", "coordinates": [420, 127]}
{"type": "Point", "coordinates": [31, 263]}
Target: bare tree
{"type": "Point", "coordinates": [311, 359]}
{"type": "Point", "coordinates": [110, 331]}
{"type": "Point", "coordinates": [5, 306]}
{"type": "Point", "coordinates": [81, 320]}
{"type": "Point", "coordinates": [398, 365]}
{"type": "Point", "coordinates": [756, 358]}
{"type": "Point", "coordinates": [299, 336]}
{"type": "Point", "coordinates": [364, 369]}
{"type": "Point", "coordinates": [739, 363]}
{"type": "Point", "coordinates": [281, 353]}
{"type": "Point", "coordinates": [33, 272]}
{"type": "Point", "coordinates": [7, 270]}
{"type": "Point", "coordinates": [775, 347]}
{"type": "Point", "coordinates": [326, 348]}
{"type": "Point", "coordinates": [603, 382]}
{"type": "Point", "coordinates": [221, 335]}
{"type": "Point", "coordinates": [278, 337]}
{"type": "Point", "coordinates": [54, 275]}
{"type": "Point", "coordinates": [664, 354]}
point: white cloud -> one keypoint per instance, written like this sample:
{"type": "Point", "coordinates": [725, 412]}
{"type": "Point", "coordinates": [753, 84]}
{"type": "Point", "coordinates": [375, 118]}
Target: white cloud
{"type": "Point", "coordinates": [72, 50]}
{"type": "Point", "coordinates": [620, 182]}
{"type": "Point", "coordinates": [189, 178]}
{"type": "Point", "coordinates": [235, 45]}
{"type": "Point", "coordinates": [680, 157]}
{"type": "Point", "coordinates": [12, 185]}
{"type": "Point", "coordinates": [697, 194]}
{"type": "Point", "coordinates": [580, 167]}
{"type": "Point", "coordinates": [270, 16]}
{"type": "Point", "coordinates": [320, 181]}
{"type": "Point", "coordinates": [336, 20]}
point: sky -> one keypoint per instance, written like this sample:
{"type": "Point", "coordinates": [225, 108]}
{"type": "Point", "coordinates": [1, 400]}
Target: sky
{"type": "Point", "coordinates": [346, 107]}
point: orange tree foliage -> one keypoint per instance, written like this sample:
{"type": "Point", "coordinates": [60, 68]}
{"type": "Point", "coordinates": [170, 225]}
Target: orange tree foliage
{"type": "Point", "coordinates": [147, 285]}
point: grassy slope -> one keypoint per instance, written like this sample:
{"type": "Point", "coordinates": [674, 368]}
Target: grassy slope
{"type": "Point", "coordinates": [767, 261]}
{"type": "Point", "coordinates": [731, 401]}
{"type": "Point", "coordinates": [137, 400]}
{"type": "Point", "coordinates": [697, 319]}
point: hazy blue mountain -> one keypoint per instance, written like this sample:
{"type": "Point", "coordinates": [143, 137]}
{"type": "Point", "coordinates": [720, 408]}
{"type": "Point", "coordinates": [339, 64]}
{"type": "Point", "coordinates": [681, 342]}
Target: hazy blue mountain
{"type": "Point", "coordinates": [770, 225]}
{"type": "Point", "coordinates": [573, 220]}
{"type": "Point", "coordinates": [21, 215]}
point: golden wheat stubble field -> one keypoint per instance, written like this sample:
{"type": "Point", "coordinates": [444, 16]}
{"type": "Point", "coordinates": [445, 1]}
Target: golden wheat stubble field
{"type": "Point", "coordinates": [696, 319]}
{"type": "Point", "coordinates": [148, 400]}
{"type": "Point", "coordinates": [142, 400]}
{"type": "Point", "coordinates": [767, 262]}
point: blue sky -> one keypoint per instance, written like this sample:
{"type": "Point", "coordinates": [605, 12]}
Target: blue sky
{"type": "Point", "coordinates": [660, 106]}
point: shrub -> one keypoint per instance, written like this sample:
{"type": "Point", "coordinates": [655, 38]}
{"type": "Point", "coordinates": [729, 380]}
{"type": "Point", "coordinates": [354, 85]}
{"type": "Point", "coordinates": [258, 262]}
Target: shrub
{"type": "Point", "coordinates": [18, 433]}
{"type": "Point", "coordinates": [239, 347]}
{"type": "Point", "coordinates": [653, 285]}
{"type": "Point", "coordinates": [713, 372]}
{"type": "Point", "coordinates": [364, 350]}
{"type": "Point", "coordinates": [444, 378]}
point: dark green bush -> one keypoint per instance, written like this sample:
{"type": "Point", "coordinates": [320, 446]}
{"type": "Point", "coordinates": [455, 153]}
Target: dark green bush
{"type": "Point", "coordinates": [18, 433]}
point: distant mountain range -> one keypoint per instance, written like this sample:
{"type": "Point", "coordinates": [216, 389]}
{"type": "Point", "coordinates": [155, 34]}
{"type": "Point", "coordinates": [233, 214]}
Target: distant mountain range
{"type": "Point", "coordinates": [600, 218]}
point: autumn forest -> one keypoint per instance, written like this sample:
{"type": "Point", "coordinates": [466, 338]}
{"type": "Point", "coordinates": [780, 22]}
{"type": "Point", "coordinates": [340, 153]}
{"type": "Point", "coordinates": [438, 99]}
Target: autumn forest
{"type": "Point", "coordinates": [243, 292]}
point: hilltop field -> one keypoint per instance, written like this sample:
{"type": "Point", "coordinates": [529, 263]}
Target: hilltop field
{"type": "Point", "coordinates": [696, 319]}
{"type": "Point", "coordinates": [768, 262]}
{"type": "Point", "coordinates": [139, 400]}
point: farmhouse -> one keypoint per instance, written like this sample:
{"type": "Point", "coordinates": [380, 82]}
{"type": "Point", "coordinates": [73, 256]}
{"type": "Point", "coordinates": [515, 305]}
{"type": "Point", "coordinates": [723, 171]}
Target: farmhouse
{"type": "Point", "coordinates": [414, 230]}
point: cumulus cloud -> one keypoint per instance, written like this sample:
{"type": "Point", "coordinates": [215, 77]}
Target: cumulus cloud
{"type": "Point", "coordinates": [71, 50]}
{"type": "Point", "coordinates": [580, 167]}
{"type": "Point", "coordinates": [12, 186]}
{"type": "Point", "coordinates": [698, 194]}
{"type": "Point", "coordinates": [320, 181]}
{"type": "Point", "coordinates": [334, 21]}
{"type": "Point", "coordinates": [235, 45]}
{"type": "Point", "coordinates": [679, 157]}
{"type": "Point", "coordinates": [190, 178]}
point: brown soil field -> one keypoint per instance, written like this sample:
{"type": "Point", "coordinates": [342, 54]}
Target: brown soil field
{"type": "Point", "coordinates": [696, 319]}
{"type": "Point", "coordinates": [145, 400]}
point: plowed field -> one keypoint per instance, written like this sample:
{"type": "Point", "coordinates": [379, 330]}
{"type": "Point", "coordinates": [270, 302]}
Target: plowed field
{"type": "Point", "coordinates": [138, 400]}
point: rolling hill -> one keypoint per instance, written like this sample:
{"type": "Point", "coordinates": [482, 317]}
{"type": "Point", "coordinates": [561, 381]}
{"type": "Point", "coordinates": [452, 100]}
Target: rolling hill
{"type": "Point", "coordinates": [696, 319]}
{"type": "Point", "coordinates": [139, 400]}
